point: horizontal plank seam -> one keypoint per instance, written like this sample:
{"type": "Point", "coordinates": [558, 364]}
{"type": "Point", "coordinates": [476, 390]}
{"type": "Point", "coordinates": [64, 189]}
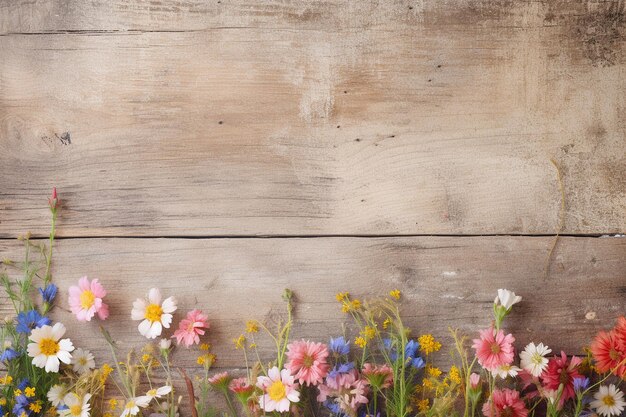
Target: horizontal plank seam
{"type": "Point", "coordinates": [318, 236]}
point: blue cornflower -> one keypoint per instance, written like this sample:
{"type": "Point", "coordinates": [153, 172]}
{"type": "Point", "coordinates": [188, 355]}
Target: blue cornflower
{"type": "Point", "coordinates": [49, 293]}
{"type": "Point", "coordinates": [21, 405]}
{"type": "Point", "coordinates": [341, 368]}
{"type": "Point", "coordinates": [581, 384]}
{"type": "Point", "coordinates": [339, 346]}
{"type": "Point", "coordinates": [410, 353]}
{"type": "Point", "coordinates": [23, 384]}
{"type": "Point", "coordinates": [333, 406]}
{"type": "Point", "coordinates": [28, 320]}
{"type": "Point", "coordinates": [8, 355]}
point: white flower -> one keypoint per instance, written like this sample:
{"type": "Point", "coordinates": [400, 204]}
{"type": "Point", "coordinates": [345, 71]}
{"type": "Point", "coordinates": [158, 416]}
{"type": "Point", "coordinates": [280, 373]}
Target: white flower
{"type": "Point", "coordinates": [279, 390]}
{"type": "Point", "coordinates": [132, 405]}
{"type": "Point", "coordinates": [608, 401]}
{"type": "Point", "coordinates": [48, 348]}
{"type": "Point", "coordinates": [7, 344]}
{"type": "Point", "coordinates": [165, 344]}
{"type": "Point", "coordinates": [158, 392]}
{"type": "Point", "coordinates": [533, 358]}
{"type": "Point", "coordinates": [507, 298]}
{"type": "Point", "coordinates": [504, 371]}
{"type": "Point", "coordinates": [83, 361]}
{"type": "Point", "coordinates": [56, 394]}
{"type": "Point", "coordinates": [153, 314]}
{"type": "Point", "coordinates": [551, 395]}
{"type": "Point", "coordinates": [76, 406]}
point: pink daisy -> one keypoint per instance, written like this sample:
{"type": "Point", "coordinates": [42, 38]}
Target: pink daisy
{"type": "Point", "coordinates": [86, 300]}
{"type": "Point", "coordinates": [378, 376]}
{"type": "Point", "coordinates": [494, 349]}
{"type": "Point", "coordinates": [279, 390]}
{"type": "Point", "coordinates": [307, 361]}
{"type": "Point", "coordinates": [503, 403]}
{"type": "Point", "coordinates": [560, 370]}
{"type": "Point", "coordinates": [191, 328]}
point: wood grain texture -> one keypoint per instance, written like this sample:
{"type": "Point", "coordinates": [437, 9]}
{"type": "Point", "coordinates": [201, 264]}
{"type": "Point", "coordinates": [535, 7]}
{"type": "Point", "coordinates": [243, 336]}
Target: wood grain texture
{"type": "Point", "coordinates": [445, 282]}
{"type": "Point", "coordinates": [312, 118]}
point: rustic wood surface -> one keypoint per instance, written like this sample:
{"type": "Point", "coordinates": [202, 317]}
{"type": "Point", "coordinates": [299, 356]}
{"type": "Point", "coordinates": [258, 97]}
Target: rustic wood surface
{"type": "Point", "coordinates": [445, 281]}
{"type": "Point", "coordinates": [224, 150]}
{"type": "Point", "coordinates": [314, 118]}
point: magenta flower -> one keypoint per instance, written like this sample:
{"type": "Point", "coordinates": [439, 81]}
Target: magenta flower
{"type": "Point", "coordinates": [307, 361]}
{"type": "Point", "coordinates": [191, 328]}
{"type": "Point", "coordinates": [494, 349]}
{"type": "Point", "coordinates": [86, 300]}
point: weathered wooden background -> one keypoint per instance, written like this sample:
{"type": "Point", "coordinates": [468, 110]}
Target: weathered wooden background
{"type": "Point", "coordinates": [224, 150]}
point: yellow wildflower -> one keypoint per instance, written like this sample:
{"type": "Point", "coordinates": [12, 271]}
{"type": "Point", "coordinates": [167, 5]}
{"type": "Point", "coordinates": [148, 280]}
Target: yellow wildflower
{"type": "Point", "coordinates": [52, 411]}
{"type": "Point", "coordinates": [3, 401]}
{"type": "Point", "coordinates": [252, 326]}
{"type": "Point", "coordinates": [342, 296]}
{"type": "Point", "coordinates": [36, 406]}
{"type": "Point", "coordinates": [454, 375]}
{"type": "Point", "coordinates": [23, 414]}
{"type": "Point", "coordinates": [428, 344]}
{"type": "Point", "coordinates": [6, 380]}
{"type": "Point", "coordinates": [423, 405]}
{"type": "Point", "coordinates": [386, 323]}
{"type": "Point", "coordinates": [252, 345]}
{"type": "Point", "coordinates": [112, 404]}
{"type": "Point", "coordinates": [145, 358]}
{"type": "Point", "coordinates": [207, 359]}
{"type": "Point", "coordinates": [204, 346]}
{"type": "Point", "coordinates": [201, 360]}
{"type": "Point", "coordinates": [240, 342]}
{"type": "Point", "coordinates": [360, 342]}
{"type": "Point", "coordinates": [107, 415]}
{"type": "Point", "coordinates": [395, 294]}
{"type": "Point", "coordinates": [345, 307]}
{"type": "Point", "coordinates": [105, 372]}
{"type": "Point", "coordinates": [427, 384]}
{"type": "Point", "coordinates": [433, 371]}
{"type": "Point", "coordinates": [29, 391]}
{"type": "Point", "coordinates": [355, 304]}
{"type": "Point", "coordinates": [368, 332]}
{"type": "Point", "coordinates": [17, 392]}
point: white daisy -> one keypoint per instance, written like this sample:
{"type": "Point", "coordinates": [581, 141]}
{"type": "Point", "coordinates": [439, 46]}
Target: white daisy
{"type": "Point", "coordinates": [609, 401]}
{"type": "Point", "coordinates": [132, 405]}
{"type": "Point", "coordinates": [48, 348]}
{"type": "Point", "coordinates": [533, 358]}
{"type": "Point", "coordinates": [154, 314]}
{"type": "Point", "coordinates": [76, 406]}
{"type": "Point", "coordinates": [158, 392]}
{"type": "Point", "coordinates": [56, 394]}
{"type": "Point", "coordinates": [507, 298]}
{"type": "Point", "coordinates": [504, 371]}
{"type": "Point", "coordinates": [83, 361]}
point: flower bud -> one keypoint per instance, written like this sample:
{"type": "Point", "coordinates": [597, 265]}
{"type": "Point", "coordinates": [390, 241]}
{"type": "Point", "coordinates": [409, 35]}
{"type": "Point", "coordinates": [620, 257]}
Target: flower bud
{"type": "Point", "coordinates": [53, 201]}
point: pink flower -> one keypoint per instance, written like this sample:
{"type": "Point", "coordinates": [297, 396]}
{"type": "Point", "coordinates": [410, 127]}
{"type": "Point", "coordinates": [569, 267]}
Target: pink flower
{"type": "Point", "coordinates": [474, 380]}
{"type": "Point", "coordinates": [494, 349]}
{"type": "Point", "coordinates": [378, 376]}
{"type": "Point", "coordinates": [347, 389]}
{"type": "Point", "coordinates": [279, 390]}
{"type": "Point", "coordinates": [86, 300]}
{"type": "Point", "coordinates": [191, 328]}
{"type": "Point", "coordinates": [307, 361]}
{"type": "Point", "coordinates": [561, 371]}
{"type": "Point", "coordinates": [220, 380]}
{"type": "Point", "coordinates": [53, 201]}
{"type": "Point", "coordinates": [503, 403]}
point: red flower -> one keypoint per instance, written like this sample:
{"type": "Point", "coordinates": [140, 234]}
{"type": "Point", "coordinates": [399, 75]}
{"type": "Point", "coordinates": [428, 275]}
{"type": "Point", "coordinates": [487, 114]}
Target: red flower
{"type": "Point", "coordinates": [505, 403]}
{"type": "Point", "coordinates": [608, 353]}
{"type": "Point", "coordinates": [561, 371]}
{"type": "Point", "coordinates": [53, 201]}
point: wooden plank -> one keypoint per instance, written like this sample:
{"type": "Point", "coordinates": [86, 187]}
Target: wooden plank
{"type": "Point", "coordinates": [444, 123]}
{"type": "Point", "coordinates": [446, 282]}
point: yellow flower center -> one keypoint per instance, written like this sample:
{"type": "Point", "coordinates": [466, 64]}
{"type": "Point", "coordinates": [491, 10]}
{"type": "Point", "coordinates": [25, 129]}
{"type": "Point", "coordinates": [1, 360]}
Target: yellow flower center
{"type": "Point", "coordinates": [76, 410]}
{"type": "Point", "coordinates": [152, 393]}
{"type": "Point", "coordinates": [277, 391]}
{"type": "Point", "coordinates": [537, 359]}
{"type": "Point", "coordinates": [154, 312]}
{"type": "Point", "coordinates": [495, 348]}
{"type": "Point", "coordinates": [87, 299]}
{"type": "Point", "coordinates": [608, 400]}
{"type": "Point", "coordinates": [48, 347]}
{"type": "Point", "coordinates": [129, 405]}
{"type": "Point", "coordinates": [82, 361]}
